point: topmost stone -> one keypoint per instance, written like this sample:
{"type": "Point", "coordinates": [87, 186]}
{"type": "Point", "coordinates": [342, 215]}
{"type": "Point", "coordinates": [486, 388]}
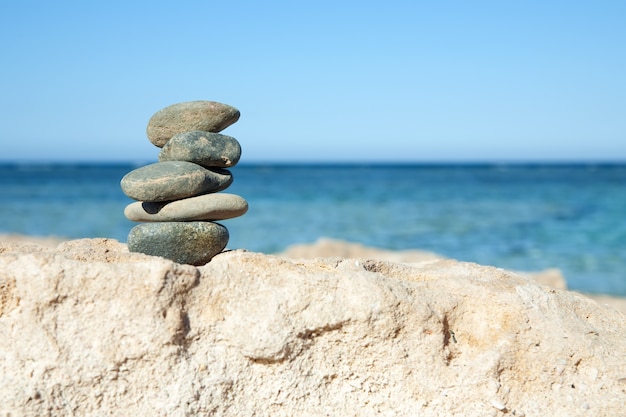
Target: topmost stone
{"type": "Point", "coordinates": [208, 116]}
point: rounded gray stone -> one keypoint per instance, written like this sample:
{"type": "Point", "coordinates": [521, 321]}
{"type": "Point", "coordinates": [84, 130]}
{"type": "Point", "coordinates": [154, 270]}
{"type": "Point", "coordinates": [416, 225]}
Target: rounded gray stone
{"type": "Point", "coordinates": [208, 116]}
{"type": "Point", "coordinates": [193, 243]}
{"type": "Point", "coordinates": [217, 206]}
{"type": "Point", "coordinates": [203, 148]}
{"type": "Point", "coordinates": [173, 180]}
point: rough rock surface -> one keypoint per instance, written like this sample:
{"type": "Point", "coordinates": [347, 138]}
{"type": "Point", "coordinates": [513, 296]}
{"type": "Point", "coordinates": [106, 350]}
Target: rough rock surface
{"type": "Point", "coordinates": [90, 329]}
{"type": "Point", "coordinates": [193, 243]}
{"type": "Point", "coordinates": [325, 248]}
{"type": "Point", "coordinates": [173, 180]}
{"type": "Point", "coordinates": [332, 248]}
{"type": "Point", "coordinates": [202, 148]}
{"type": "Point", "coordinates": [203, 115]}
{"type": "Point", "coordinates": [214, 206]}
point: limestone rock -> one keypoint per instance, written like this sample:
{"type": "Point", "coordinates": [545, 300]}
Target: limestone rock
{"type": "Point", "coordinates": [203, 148]}
{"type": "Point", "coordinates": [193, 243]}
{"type": "Point", "coordinates": [90, 329]}
{"type": "Point", "coordinates": [173, 180]}
{"type": "Point", "coordinates": [327, 248]}
{"type": "Point", "coordinates": [215, 206]}
{"type": "Point", "coordinates": [202, 115]}
{"type": "Point", "coordinates": [330, 248]}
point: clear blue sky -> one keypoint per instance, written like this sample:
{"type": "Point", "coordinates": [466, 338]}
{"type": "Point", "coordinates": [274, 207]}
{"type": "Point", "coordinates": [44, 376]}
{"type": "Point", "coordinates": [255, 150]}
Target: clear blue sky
{"type": "Point", "coordinates": [319, 80]}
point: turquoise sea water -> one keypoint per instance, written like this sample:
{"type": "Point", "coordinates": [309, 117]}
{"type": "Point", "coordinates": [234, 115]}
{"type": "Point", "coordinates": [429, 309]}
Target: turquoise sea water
{"type": "Point", "coordinates": [522, 217]}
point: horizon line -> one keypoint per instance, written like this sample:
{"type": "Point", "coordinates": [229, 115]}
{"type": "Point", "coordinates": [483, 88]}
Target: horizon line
{"type": "Point", "coordinates": [505, 162]}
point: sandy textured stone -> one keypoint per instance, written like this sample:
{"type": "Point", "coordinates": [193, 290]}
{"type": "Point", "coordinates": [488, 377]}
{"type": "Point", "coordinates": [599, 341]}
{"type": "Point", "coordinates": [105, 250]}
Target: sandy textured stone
{"type": "Point", "coordinates": [90, 329]}
{"type": "Point", "coordinates": [203, 148]}
{"type": "Point", "coordinates": [193, 243]}
{"type": "Point", "coordinates": [216, 206]}
{"type": "Point", "coordinates": [327, 248]}
{"type": "Point", "coordinates": [172, 180]}
{"type": "Point", "coordinates": [334, 248]}
{"type": "Point", "coordinates": [202, 115]}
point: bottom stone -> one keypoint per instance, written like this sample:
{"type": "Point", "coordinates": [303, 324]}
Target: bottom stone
{"type": "Point", "coordinates": [193, 243]}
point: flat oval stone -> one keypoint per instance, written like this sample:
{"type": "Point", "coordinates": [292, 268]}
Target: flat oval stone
{"type": "Point", "coordinates": [173, 180]}
{"type": "Point", "coordinates": [203, 148]}
{"type": "Point", "coordinates": [220, 206]}
{"type": "Point", "coordinates": [208, 116]}
{"type": "Point", "coordinates": [193, 243]}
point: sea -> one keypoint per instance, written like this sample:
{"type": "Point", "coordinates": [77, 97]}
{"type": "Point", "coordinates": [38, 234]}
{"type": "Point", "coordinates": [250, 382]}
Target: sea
{"type": "Point", "coordinates": [524, 217]}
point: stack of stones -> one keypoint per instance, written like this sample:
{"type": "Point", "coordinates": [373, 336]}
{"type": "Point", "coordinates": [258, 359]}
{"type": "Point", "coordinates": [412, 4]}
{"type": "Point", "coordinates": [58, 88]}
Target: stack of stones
{"type": "Point", "coordinates": [178, 196]}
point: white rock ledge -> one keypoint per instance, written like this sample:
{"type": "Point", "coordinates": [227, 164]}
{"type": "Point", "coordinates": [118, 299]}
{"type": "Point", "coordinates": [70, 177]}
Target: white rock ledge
{"type": "Point", "coordinates": [87, 328]}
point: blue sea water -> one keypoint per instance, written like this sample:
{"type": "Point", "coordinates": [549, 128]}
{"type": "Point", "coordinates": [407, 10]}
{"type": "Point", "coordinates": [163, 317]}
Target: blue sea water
{"type": "Point", "coordinates": [521, 217]}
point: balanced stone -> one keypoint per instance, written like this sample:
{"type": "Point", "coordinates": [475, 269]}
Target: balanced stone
{"type": "Point", "coordinates": [193, 243]}
{"type": "Point", "coordinates": [220, 206]}
{"type": "Point", "coordinates": [208, 116]}
{"type": "Point", "coordinates": [173, 180]}
{"type": "Point", "coordinates": [203, 148]}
